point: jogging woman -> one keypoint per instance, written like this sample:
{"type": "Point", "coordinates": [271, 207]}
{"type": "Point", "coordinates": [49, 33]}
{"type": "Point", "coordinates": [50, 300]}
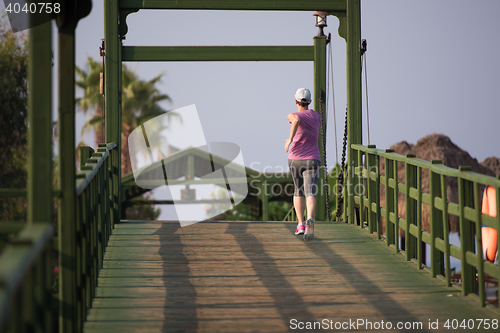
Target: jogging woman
{"type": "Point", "coordinates": [304, 160]}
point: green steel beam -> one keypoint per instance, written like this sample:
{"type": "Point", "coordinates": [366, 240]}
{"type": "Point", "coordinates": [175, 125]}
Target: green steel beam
{"type": "Point", "coordinates": [354, 127]}
{"type": "Point", "coordinates": [218, 53]}
{"type": "Point", "coordinates": [320, 93]}
{"type": "Point", "coordinates": [13, 193]}
{"type": "Point", "coordinates": [40, 202]}
{"type": "Point", "coordinates": [261, 5]}
{"type": "Point", "coordinates": [118, 151]}
{"type": "Point", "coordinates": [113, 97]}
{"type": "Point", "coordinates": [67, 169]}
{"type": "Point", "coordinates": [8, 227]}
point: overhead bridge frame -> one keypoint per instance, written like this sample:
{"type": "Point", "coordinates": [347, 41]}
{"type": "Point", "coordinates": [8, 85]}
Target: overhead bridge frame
{"type": "Point", "coordinates": [217, 53]}
{"type": "Point", "coordinates": [347, 11]}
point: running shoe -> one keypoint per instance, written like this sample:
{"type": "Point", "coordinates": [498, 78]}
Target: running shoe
{"type": "Point", "coordinates": [309, 233]}
{"type": "Point", "coordinates": [300, 229]}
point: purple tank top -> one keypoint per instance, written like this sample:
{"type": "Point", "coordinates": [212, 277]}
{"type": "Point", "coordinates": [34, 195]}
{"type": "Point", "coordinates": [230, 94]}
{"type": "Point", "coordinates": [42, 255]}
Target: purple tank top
{"type": "Point", "coordinates": [305, 141]}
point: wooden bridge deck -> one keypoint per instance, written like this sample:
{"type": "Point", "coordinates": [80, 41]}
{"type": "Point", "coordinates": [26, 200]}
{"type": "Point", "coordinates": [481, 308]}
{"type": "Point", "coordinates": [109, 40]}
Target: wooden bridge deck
{"type": "Point", "coordinates": [257, 277]}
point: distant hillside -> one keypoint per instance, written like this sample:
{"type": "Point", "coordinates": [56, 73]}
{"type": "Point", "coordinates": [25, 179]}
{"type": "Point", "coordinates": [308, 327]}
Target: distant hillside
{"type": "Point", "coordinates": [492, 163]}
{"type": "Point", "coordinates": [438, 147]}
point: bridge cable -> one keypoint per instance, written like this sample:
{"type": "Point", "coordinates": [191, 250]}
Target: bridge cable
{"type": "Point", "coordinates": [330, 74]}
{"type": "Point", "coordinates": [322, 112]}
{"type": "Point", "coordinates": [364, 67]}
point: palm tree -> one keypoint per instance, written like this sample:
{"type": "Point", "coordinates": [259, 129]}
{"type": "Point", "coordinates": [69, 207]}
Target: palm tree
{"type": "Point", "coordinates": [139, 104]}
{"type": "Point", "coordinates": [89, 81]}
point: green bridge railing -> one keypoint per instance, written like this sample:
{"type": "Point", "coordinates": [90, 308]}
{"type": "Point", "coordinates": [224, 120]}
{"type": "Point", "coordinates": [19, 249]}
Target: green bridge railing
{"type": "Point", "coordinates": [468, 212]}
{"type": "Point", "coordinates": [26, 281]}
{"type": "Point", "coordinates": [26, 278]}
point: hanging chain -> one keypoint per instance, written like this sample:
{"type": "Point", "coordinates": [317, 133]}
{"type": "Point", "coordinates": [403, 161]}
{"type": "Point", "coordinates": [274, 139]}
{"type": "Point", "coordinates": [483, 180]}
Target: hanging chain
{"type": "Point", "coordinates": [341, 175]}
{"type": "Point", "coordinates": [323, 139]}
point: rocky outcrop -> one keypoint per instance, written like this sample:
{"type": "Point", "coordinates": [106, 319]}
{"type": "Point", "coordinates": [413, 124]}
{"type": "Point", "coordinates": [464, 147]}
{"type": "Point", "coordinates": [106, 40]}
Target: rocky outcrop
{"type": "Point", "coordinates": [492, 163]}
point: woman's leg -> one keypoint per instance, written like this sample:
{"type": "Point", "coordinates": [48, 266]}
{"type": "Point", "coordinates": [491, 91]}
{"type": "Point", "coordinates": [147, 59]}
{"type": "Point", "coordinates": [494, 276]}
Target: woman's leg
{"type": "Point", "coordinates": [311, 206]}
{"type": "Point", "coordinates": [310, 186]}
{"type": "Point", "coordinates": [298, 203]}
{"type": "Point", "coordinates": [298, 195]}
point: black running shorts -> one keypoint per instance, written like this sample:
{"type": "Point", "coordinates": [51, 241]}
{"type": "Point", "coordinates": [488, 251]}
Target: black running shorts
{"type": "Point", "coordinates": [305, 176]}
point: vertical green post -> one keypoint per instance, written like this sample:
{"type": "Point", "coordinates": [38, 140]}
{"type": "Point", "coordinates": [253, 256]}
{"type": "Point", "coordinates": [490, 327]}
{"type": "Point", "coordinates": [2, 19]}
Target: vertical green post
{"type": "Point", "coordinates": [264, 196]}
{"type": "Point", "coordinates": [389, 200]}
{"type": "Point", "coordinates": [446, 231]}
{"type": "Point", "coordinates": [69, 319]}
{"type": "Point", "coordinates": [420, 249]}
{"type": "Point", "coordinates": [372, 189]}
{"type": "Point", "coordinates": [118, 187]}
{"type": "Point", "coordinates": [467, 232]}
{"type": "Point", "coordinates": [112, 98]}
{"type": "Point", "coordinates": [320, 93]}
{"type": "Point", "coordinates": [479, 245]}
{"type": "Point", "coordinates": [377, 195]}
{"type": "Point", "coordinates": [396, 205]}
{"type": "Point", "coordinates": [410, 209]}
{"type": "Point", "coordinates": [354, 116]}
{"type": "Point", "coordinates": [39, 192]}
{"type": "Point", "coordinates": [361, 194]}
{"type": "Point", "coordinates": [437, 258]}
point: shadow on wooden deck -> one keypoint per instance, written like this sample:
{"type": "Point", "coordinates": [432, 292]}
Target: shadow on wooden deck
{"type": "Point", "coordinates": [260, 277]}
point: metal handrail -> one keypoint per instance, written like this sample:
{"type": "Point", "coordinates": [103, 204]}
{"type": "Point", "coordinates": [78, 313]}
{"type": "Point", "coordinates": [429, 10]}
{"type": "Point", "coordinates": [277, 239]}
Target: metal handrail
{"type": "Point", "coordinates": [95, 212]}
{"type": "Point", "coordinates": [468, 211]}
{"type": "Point", "coordinates": [23, 268]}
{"type": "Point", "coordinates": [26, 273]}
{"type": "Point", "coordinates": [90, 170]}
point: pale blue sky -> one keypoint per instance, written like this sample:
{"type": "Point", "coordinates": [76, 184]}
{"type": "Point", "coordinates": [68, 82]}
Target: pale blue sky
{"type": "Point", "coordinates": [431, 68]}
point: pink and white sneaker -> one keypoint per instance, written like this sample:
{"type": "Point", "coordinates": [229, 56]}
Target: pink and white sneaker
{"type": "Point", "coordinates": [301, 228]}
{"type": "Point", "coordinates": [309, 232]}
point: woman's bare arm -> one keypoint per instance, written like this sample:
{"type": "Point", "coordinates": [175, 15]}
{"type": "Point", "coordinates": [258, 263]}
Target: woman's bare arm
{"type": "Point", "coordinates": [294, 121]}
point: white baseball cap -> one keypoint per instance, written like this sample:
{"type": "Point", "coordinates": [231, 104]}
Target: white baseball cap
{"type": "Point", "coordinates": [303, 95]}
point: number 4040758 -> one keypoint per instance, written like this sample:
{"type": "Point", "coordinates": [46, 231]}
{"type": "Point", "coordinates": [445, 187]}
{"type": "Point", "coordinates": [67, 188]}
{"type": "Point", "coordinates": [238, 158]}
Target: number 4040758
{"type": "Point", "coordinates": [34, 8]}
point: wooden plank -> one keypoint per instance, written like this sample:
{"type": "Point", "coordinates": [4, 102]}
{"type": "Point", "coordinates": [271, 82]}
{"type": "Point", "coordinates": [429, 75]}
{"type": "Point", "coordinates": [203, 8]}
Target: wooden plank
{"type": "Point", "coordinates": [246, 277]}
{"type": "Point", "coordinates": [259, 300]}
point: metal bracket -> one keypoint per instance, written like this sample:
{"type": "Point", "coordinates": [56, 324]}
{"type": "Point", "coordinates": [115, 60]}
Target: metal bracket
{"type": "Point", "coordinates": [363, 47]}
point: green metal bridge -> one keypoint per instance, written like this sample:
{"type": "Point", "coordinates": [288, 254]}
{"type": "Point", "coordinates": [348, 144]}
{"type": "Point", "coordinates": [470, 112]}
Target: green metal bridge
{"type": "Point", "coordinates": [146, 276]}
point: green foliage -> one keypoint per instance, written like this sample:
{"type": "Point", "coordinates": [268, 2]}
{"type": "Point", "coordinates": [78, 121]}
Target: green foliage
{"type": "Point", "coordinates": [140, 103]}
{"type": "Point", "coordinates": [278, 210]}
{"type": "Point", "coordinates": [240, 213]}
{"type": "Point", "coordinates": [142, 211]}
{"type": "Point", "coordinates": [13, 119]}
{"type": "Point", "coordinates": [140, 98]}
{"type": "Point", "coordinates": [89, 81]}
